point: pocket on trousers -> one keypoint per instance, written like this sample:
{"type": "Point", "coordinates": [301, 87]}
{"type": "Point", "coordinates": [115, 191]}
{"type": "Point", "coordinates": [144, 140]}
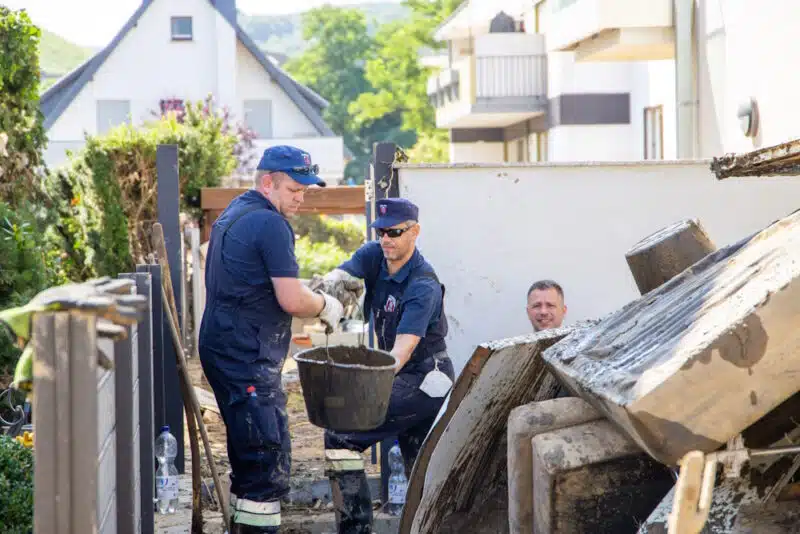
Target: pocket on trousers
{"type": "Point", "coordinates": [259, 424]}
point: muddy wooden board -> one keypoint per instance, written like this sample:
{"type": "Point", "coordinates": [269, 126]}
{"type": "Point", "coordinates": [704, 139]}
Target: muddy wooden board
{"type": "Point", "coordinates": [694, 362]}
{"type": "Point", "coordinates": [459, 481]}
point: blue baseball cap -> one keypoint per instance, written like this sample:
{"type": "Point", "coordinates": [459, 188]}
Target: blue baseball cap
{"type": "Point", "coordinates": [294, 162]}
{"type": "Point", "coordinates": [393, 211]}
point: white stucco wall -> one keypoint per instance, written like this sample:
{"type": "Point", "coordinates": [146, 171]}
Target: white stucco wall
{"type": "Point", "coordinates": [744, 52]}
{"type": "Point", "coordinates": [572, 223]}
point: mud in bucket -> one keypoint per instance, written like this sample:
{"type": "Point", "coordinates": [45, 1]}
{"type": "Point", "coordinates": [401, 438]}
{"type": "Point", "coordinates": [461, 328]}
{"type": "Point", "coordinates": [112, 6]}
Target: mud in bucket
{"type": "Point", "coordinates": [346, 388]}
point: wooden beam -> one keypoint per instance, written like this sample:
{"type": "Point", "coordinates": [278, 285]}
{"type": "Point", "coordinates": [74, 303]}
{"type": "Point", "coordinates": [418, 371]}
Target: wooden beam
{"type": "Point", "coordinates": [328, 200]}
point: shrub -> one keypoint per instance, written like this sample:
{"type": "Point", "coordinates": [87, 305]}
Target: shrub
{"type": "Point", "coordinates": [346, 234]}
{"type": "Point", "coordinates": [23, 270]}
{"type": "Point", "coordinates": [318, 257]}
{"type": "Point", "coordinates": [16, 487]}
{"type": "Point", "coordinates": [106, 197]}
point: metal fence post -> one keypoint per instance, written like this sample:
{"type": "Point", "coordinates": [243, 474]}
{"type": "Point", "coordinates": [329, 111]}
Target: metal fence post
{"type": "Point", "coordinates": [167, 399]}
{"type": "Point", "coordinates": [384, 185]}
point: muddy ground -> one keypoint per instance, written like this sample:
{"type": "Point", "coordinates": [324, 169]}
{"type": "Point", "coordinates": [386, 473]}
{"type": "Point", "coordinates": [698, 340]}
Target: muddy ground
{"type": "Point", "coordinates": [308, 460]}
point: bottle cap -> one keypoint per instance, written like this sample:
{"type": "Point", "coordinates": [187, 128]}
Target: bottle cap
{"type": "Point", "coordinates": [165, 428]}
{"type": "Point", "coordinates": [251, 389]}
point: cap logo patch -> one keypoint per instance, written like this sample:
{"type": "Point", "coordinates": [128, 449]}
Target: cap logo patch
{"type": "Point", "coordinates": [383, 210]}
{"type": "Point", "coordinates": [306, 159]}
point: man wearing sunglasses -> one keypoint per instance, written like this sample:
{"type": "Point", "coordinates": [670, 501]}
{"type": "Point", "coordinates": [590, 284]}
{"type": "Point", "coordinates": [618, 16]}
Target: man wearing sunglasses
{"type": "Point", "coordinates": [405, 299]}
{"type": "Point", "coordinates": [253, 291]}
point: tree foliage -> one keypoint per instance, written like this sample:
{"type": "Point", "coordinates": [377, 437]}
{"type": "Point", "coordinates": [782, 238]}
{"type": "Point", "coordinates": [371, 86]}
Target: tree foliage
{"type": "Point", "coordinates": [376, 86]}
{"type": "Point", "coordinates": [22, 137]}
{"type": "Point", "coordinates": [16, 487]}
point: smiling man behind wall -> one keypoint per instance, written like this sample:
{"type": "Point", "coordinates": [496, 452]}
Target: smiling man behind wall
{"type": "Point", "coordinates": [546, 308]}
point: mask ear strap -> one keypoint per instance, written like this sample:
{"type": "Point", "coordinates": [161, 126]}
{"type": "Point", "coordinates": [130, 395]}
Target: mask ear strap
{"type": "Point", "coordinates": [435, 363]}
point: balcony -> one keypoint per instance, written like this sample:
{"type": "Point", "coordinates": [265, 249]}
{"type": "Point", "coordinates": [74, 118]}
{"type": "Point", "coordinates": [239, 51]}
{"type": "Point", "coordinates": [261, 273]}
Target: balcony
{"type": "Point", "coordinates": [612, 30]}
{"type": "Point", "coordinates": [492, 87]}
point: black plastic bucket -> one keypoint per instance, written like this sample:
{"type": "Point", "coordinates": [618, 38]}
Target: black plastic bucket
{"type": "Point", "coordinates": [346, 389]}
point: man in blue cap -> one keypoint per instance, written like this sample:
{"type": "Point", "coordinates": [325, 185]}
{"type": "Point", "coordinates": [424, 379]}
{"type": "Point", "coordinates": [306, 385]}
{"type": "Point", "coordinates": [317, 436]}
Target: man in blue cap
{"type": "Point", "coordinates": [253, 291]}
{"type": "Point", "coordinates": [405, 298]}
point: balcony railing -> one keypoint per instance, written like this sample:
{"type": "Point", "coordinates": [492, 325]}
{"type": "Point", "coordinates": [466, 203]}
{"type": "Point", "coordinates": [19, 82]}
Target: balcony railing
{"type": "Point", "coordinates": [510, 76]}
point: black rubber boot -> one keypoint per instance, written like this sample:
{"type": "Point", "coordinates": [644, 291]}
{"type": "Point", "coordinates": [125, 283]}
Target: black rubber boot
{"type": "Point", "coordinates": [352, 501]}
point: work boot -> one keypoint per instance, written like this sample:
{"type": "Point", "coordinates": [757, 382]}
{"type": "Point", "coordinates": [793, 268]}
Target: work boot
{"type": "Point", "coordinates": [350, 491]}
{"type": "Point", "coordinates": [244, 513]}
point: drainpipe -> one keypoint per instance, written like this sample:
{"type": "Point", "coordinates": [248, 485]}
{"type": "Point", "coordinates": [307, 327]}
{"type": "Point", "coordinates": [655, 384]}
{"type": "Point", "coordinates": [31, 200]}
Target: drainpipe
{"type": "Point", "coordinates": [686, 78]}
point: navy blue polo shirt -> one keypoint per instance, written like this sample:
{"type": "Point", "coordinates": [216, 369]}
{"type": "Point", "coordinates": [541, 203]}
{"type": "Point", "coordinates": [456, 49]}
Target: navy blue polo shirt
{"type": "Point", "coordinates": [260, 245]}
{"type": "Point", "coordinates": [401, 303]}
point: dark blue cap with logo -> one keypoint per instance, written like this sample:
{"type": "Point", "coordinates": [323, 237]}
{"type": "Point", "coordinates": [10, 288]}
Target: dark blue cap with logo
{"type": "Point", "coordinates": [393, 211]}
{"type": "Point", "coordinates": [293, 161]}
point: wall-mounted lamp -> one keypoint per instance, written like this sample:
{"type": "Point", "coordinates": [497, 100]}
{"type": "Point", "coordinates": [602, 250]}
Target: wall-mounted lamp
{"type": "Point", "coordinates": [748, 117]}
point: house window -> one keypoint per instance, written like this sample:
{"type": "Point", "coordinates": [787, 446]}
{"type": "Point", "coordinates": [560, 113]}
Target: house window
{"type": "Point", "coordinates": [111, 113]}
{"type": "Point", "coordinates": [181, 28]}
{"type": "Point", "coordinates": [654, 132]}
{"type": "Point", "coordinates": [258, 117]}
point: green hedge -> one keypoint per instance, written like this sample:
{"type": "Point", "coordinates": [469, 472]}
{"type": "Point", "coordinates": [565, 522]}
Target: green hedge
{"type": "Point", "coordinates": [106, 198]}
{"type": "Point", "coordinates": [324, 243]}
{"type": "Point", "coordinates": [16, 487]}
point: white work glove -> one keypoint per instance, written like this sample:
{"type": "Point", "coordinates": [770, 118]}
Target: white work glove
{"type": "Point", "coordinates": [341, 285]}
{"type": "Point", "coordinates": [331, 313]}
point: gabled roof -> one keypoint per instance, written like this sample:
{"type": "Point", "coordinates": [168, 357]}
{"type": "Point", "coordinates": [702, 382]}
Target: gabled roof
{"type": "Point", "coordinates": [57, 98]}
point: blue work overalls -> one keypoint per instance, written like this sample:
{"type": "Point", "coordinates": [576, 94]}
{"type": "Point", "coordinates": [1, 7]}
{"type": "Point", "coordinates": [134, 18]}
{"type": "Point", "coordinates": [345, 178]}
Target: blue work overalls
{"type": "Point", "coordinates": [411, 412]}
{"type": "Point", "coordinates": [244, 339]}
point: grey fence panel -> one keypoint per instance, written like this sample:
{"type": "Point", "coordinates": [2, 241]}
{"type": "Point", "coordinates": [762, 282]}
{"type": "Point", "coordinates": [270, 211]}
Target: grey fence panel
{"type": "Point", "coordinates": [107, 437]}
{"type": "Point", "coordinates": [145, 436]}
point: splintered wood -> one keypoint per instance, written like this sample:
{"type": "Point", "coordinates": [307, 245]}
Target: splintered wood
{"type": "Point", "coordinates": [462, 467]}
{"type": "Point", "coordinates": [699, 359]}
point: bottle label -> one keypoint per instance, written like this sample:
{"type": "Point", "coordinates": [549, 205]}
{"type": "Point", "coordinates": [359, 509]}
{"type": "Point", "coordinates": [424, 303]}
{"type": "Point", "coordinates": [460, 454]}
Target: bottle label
{"type": "Point", "coordinates": [167, 487]}
{"type": "Point", "coordinates": [397, 492]}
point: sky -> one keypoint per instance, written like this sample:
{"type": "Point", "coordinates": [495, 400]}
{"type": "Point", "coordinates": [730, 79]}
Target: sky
{"type": "Point", "coordinates": [68, 18]}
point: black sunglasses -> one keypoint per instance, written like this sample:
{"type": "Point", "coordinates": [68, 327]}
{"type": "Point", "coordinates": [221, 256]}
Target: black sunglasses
{"type": "Point", "coordinates": [311, 169]}
{"type": "Point", "coordinates": [393, 232]}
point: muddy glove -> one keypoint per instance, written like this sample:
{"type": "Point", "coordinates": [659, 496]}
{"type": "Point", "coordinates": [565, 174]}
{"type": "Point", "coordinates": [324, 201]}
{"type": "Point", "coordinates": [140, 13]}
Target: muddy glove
{"type": "Point", "coordinates": [331, 313]}
{"type": "Point", "coordinates": [341, 285]}
{"type": "Point", "coordinates": [110, 299]}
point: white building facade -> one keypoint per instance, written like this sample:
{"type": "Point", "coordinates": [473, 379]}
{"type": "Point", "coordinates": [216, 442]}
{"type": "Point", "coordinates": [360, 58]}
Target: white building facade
{"type": "Point", "coordinates": [174, 51]}
{"type": "Point", "coordinates": [612, 80]}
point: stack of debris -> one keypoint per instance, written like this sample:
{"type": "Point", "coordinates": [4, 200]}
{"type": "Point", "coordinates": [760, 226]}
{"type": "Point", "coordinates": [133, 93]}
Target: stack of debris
{"type": "Point", "coordinates": [699, 372]}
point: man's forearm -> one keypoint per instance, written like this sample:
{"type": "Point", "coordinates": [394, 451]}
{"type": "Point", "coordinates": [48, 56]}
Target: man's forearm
{"type": "Point", "coordinates": [296, 299]}
{"type": "Point", "coordinates": [404, 345]}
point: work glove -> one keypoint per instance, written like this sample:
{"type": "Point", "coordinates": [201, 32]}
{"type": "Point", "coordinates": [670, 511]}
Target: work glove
{"type": "Point", "coordinates": [110, 299]}
{"type": "Point", "coordinates": [346, 288]}
{"type": "Point", "coordinates": [331, 313]}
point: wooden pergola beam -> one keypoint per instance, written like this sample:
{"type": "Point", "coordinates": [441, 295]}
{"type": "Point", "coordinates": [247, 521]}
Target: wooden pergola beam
{"type": "Point", "coordinates": [331, 200]}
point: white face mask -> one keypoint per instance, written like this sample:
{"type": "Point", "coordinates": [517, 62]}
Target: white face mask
{"type": "Point", "coordinates": [436, 384]}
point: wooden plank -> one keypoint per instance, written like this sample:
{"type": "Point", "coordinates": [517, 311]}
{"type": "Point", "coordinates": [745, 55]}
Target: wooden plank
{"type": "Point", "coordinates": [466, 475]}
{"type": "Point", "coordinates": [206, 400]}
{"type": "Point", "coordinates": [46, 466]}
{"type": "Point", "coordinates": [83, 412]}
{"type": "Point", "coordinates": [778, 160]}
{"type": "Point", "coordinates": [696, 361]}
{"type": "Point", "coordinates": [339, 199]}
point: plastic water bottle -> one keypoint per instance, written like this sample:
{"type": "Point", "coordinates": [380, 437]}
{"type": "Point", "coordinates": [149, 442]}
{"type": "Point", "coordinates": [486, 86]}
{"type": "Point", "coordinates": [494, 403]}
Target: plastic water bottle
{"type": "Point", "coordinates": [397, 481]}
{"type": "Point", "coordinates": [166, 449]}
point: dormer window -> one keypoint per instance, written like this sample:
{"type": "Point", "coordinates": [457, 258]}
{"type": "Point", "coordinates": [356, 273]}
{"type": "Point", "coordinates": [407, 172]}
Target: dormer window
{"type": "Point", "coordinates": [181, 28]}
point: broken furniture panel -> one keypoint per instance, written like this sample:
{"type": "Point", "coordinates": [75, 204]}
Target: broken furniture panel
{"type": "Point", "coordinates": [524, 423]}
{"type": "Point", "coordinates": [462, 468]}
{"type": "Point", "coordinates": [593, 478]}
{"type": "Point", "coordinates": [699, 359]}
